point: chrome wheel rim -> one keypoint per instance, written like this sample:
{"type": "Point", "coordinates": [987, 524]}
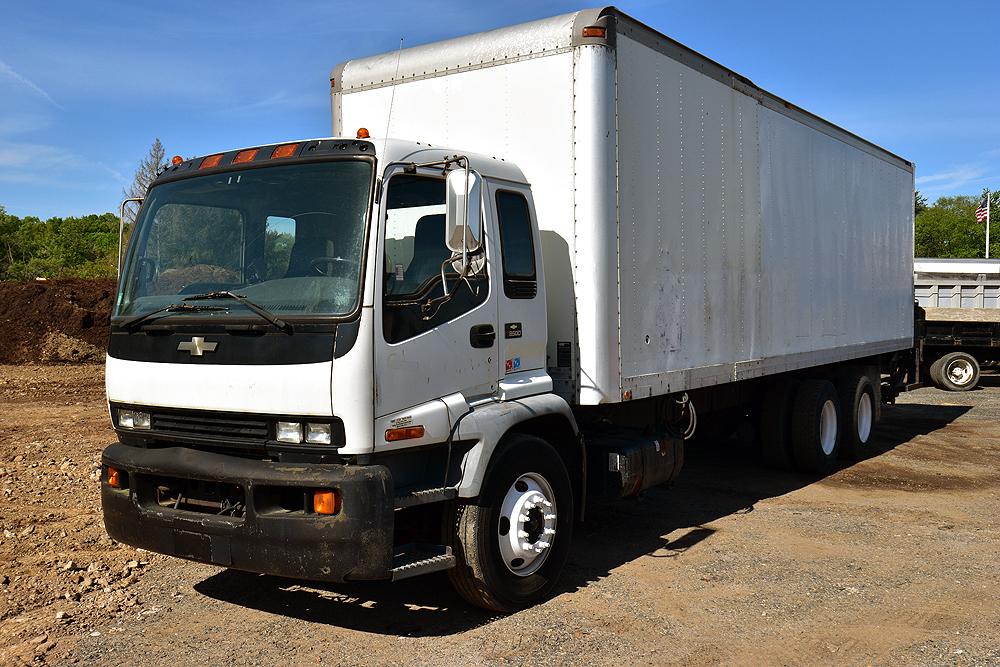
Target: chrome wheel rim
{"type": "Point", "coordinates": [960, 372]}
{"type": "Point", "coordinates": [828, 427]}
{"type": "Point", "coordinates": [527, 524]}
{"type": "Point", "coordinates": [865, 417]}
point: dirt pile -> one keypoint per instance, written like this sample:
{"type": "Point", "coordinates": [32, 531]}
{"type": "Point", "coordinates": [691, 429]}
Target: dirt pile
{"type": "Point", "coordinates": [55, 320]}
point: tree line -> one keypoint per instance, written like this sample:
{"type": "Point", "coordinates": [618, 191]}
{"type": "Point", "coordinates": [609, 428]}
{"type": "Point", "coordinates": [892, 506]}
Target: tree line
{"type": "Point", "coordinates": [948, 227]}
{"type": "Point", "coordinates": [76, 247]}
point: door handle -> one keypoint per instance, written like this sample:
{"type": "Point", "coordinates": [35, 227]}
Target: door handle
{"type": "Point", "coordinates": [482, 335]}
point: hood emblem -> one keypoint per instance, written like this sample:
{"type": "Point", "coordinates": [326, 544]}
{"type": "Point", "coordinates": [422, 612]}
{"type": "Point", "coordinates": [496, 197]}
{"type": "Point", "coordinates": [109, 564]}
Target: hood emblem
{"type": "Point", "coordinates": [196, 346]}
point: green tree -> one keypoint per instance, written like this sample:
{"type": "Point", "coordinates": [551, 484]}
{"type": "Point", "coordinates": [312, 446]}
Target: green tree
{"type": "Point", "coordinates": [948, 228]}
{"type": "Point", "coordinates": [919, 203]}
{"type": "Point", "coordinates": [84, 247]}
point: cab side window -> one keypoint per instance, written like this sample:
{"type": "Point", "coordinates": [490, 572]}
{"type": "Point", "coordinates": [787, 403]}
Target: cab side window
{"type": "Point", "coordinates": [415, 255]}
{"type": "Point", "coordinates": [520, 280]}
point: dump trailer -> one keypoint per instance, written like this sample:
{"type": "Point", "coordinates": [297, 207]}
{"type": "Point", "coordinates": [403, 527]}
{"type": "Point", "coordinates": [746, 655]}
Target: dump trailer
{"type": "Point", "coordinates": [958, 326]}
{"type": "Point", "coordinates": [366, 358]}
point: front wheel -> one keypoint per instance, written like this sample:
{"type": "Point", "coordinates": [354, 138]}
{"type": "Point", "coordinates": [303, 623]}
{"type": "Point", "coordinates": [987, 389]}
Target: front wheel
{"type": "Point", "coordinates": [512, 542]}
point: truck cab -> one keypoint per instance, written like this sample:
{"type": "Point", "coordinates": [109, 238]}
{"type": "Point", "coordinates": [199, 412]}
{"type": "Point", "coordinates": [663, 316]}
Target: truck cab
{"type": "Point", "coordinates": [322, 351]}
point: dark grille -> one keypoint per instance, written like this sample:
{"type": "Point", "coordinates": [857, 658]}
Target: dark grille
{"type": "Point", "coordinates": [231, 428]}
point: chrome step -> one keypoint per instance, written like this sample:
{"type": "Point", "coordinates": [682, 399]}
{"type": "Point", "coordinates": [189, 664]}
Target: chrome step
{"type": "Point", "coordinates": [415, 559]}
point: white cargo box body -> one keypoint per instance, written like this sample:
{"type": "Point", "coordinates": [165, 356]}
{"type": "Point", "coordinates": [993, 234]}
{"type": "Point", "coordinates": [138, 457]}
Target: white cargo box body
{"type": "Point", "coordinates": [696, 229]}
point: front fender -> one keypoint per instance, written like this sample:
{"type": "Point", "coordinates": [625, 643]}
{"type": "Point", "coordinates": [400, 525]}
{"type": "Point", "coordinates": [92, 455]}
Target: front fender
{"type": "Point", "coordinates": [489, 422]}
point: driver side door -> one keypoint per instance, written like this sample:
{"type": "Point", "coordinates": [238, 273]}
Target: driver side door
{"type": "Point", "coordinates": [428, 348]}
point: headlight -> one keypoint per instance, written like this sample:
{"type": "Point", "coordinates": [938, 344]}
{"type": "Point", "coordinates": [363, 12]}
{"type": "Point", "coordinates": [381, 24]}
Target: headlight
{"type": "Point", "coordinates": [134, 419]}
{"type": "Point", "coordinates": [289, 432]}
{"type": "Point", "coordinates": [318, 434]}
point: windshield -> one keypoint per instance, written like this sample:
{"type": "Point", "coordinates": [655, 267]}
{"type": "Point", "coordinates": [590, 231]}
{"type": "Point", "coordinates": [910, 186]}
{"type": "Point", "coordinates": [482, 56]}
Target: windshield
{"type": "Point", "coordinates": [290, 238]}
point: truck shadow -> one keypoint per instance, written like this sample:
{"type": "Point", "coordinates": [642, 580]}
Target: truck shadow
{"type": "Point", "coordinates": [719, 480]}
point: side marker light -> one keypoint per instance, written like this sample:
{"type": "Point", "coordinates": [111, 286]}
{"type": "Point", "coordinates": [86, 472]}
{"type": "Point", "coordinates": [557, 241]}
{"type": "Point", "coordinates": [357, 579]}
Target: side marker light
{"type": "Point", "coordinates": [326, 501]}
{"type": "Point", "coordinates": [407, 433]}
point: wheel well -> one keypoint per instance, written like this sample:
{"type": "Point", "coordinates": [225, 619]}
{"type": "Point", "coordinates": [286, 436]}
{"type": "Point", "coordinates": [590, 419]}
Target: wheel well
{"type": "Point", "coordinates": [559, 432]}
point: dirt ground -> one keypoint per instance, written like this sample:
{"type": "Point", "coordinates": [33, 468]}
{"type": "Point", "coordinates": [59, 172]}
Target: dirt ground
{"type": "Point", "coordinates": [892, 561]}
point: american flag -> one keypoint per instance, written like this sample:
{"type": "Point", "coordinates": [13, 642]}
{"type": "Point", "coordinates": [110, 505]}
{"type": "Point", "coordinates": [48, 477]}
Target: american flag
{"type": "Point", "coordinates": [982, 210]}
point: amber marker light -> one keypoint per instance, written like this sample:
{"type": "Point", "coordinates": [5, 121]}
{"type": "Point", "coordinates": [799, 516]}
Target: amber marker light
{"type": "Point", "coordinates": [595, 31]}
{"type": "Point", "coordinates": [211, 161]}
{"type": "Point", "coordinates": [363, 133]}
{"type": "Point", "coordinates": [245, 156]}
{"type": "Point", "coordinates": [326, 501]}
{"type": "Point", "coordinates": [407, 433]}
{"type": "Point", "coordinates": [284, 150]}
{"type": "Point", "coordinates": [176, 160]}
{"type": "Point", "coordinates": [114, 478]}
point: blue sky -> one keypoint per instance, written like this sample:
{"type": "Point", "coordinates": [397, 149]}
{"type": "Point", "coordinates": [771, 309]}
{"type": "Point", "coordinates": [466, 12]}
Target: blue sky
{"type": "Point", "coordinates": [85, 87]}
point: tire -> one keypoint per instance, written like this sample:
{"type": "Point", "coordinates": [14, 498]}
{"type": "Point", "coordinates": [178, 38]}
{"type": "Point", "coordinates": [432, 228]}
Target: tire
{"type": "Point", "coordinates": [934, 372]}
{"type": "Point", "coordinates": [507, 578]}
{"type": "Point", "coordinates": [775, 429]}
{"type": "Point", "coordinates": [858, 415]}
{"type": "Point", "coordinates": [815, 427]}
{"type": "Point", "coordinates": [956, 371]}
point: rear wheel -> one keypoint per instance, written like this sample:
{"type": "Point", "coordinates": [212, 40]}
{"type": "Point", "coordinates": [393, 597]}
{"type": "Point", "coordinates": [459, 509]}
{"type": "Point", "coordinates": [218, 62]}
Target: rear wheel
{"type": "Point", "coordinates": [775, 425]}
{"type": "Point", "coordinates": [858, 412]}
{"type": "Point", "coordinates": [955, 371]}
{"type": "Point", "coordinates": [815, 427]}
{"type": "Point", "coordinates": [512, 542]}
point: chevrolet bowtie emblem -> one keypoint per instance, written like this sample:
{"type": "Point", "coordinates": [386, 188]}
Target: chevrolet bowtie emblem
{"type": "Point", "coordinates": [196, 346]}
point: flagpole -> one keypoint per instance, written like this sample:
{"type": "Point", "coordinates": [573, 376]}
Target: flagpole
{"type": "Point", "coordinates": [988, 207]}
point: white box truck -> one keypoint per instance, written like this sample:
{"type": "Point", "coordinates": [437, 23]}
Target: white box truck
{"type": "Point", "coordinates": [360, 357]}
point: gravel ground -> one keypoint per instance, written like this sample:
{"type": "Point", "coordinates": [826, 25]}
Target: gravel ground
{"type": "Point", "coordinates": [890, 561]}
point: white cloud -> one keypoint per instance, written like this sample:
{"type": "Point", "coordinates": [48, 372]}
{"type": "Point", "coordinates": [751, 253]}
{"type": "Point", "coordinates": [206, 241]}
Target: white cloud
{"type": "Point", "coordinates": [9, 72]}
{"type": "Point", "coordinates": [966, 178]}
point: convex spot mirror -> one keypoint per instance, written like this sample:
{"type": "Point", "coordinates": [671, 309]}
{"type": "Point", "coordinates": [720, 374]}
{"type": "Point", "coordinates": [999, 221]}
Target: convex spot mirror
{"type": "Point", "coordinates": [462, 211]}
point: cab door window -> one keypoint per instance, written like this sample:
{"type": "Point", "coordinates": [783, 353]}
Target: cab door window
{"type": "Point", "coordinates": [415, 258]}
{"type": "Point", "coordinates": [520, 280]}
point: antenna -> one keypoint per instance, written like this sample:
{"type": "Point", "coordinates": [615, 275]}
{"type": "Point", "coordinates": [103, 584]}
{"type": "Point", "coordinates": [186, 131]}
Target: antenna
{"type": "Point", "coordinates": [392, 99]}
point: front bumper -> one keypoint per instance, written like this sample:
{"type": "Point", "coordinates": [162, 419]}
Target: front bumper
{"type": "Point", "coordinates": [354, 544]}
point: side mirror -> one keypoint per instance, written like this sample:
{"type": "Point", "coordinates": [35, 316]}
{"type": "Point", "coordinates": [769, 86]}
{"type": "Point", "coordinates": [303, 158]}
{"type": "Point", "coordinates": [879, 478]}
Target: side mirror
{"type": "Point", "coordinates": [462, 211]}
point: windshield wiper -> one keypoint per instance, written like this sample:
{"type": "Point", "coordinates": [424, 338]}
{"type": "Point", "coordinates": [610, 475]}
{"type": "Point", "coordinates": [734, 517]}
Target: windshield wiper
{"type": "Point", "coordinates": [172, 308]}
{"type": "Point", "coordinates": [260, 310]}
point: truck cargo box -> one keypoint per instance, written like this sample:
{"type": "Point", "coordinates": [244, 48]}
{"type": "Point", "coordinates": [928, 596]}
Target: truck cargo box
{"type": "Point", "coordinates": [696, 229]}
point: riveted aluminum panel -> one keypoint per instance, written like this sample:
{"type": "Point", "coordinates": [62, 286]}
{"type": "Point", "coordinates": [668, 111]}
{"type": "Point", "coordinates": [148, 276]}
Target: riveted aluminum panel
{"type": "Point", "coordinates": [751, 242]}
{"type": "Point", "coordinates": [690, 216]}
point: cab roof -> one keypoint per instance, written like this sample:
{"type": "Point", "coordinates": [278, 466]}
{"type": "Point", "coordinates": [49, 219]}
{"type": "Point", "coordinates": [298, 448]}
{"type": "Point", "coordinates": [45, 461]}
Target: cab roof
{"type": "Point", "coordinates": [385, 151]}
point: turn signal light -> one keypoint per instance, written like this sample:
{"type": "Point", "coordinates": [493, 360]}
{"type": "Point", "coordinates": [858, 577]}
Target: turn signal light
{"type": "Point", "coordinates": [211, 161]}
{"type": "Point", "coordinates": [408, 433]}
{"type": "Point", "coordinates": [363, 133]}
{"type": "Point", "coordinates": [326, 502]}
{"type": "Point", "coordinates": [285, 150]}
{"type": "Point", "coordinates": [114, 478]}
{"type": "Point", "coordinates": [245, 156]}
{"type": "Point", "coordinates": [595, 31]}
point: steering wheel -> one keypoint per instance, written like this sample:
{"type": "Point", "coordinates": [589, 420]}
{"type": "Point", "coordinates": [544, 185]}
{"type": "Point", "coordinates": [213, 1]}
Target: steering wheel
{"type": "Point", "coordinates": [318, 264]}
